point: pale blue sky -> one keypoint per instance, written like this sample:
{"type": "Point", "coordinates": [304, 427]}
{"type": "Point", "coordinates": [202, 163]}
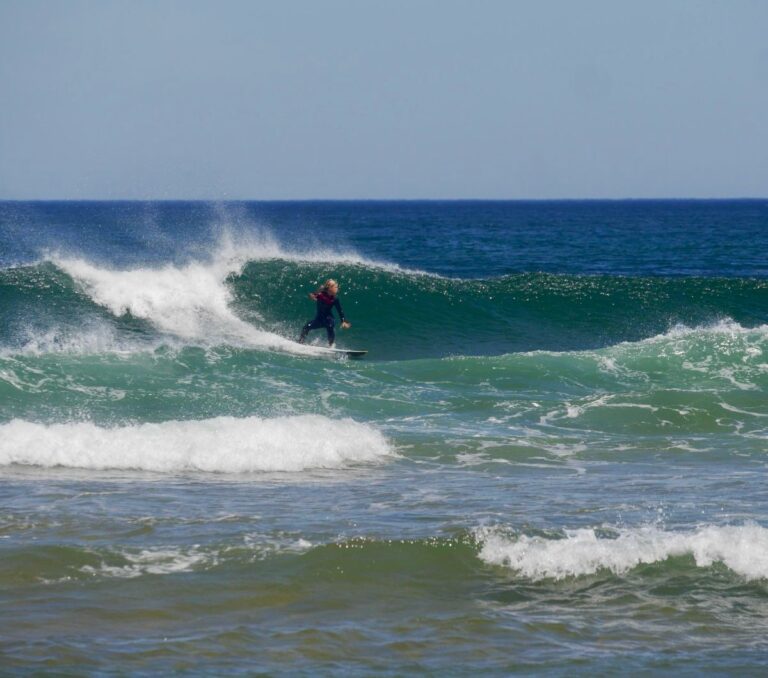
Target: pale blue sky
{"type": "Point", "coordinates": [390, 99]}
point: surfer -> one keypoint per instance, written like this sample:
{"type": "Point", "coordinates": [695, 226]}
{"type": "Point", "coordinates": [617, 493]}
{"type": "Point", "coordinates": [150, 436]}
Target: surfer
{"type": "Point", "coordinates": [327, 300]}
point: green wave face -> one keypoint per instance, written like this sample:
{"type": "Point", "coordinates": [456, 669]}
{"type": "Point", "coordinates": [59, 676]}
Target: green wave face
{"type": "Point", "coordinates": [404, 315]}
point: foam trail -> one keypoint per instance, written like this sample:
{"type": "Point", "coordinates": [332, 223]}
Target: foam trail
{"type": "Point", "coordinates": [743, 549]}
{"type": "Point", "coordinates": [91, 338]}
{"type": "Point", "coordinates": [222, 444]}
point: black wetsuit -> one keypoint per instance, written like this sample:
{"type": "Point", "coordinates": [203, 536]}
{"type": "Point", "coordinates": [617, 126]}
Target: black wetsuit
{"type": "Point", "coordinates": [324, 318]}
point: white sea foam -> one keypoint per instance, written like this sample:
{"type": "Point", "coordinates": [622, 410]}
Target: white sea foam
{"type": "Point", "coordinates": [264, 546]}
{"type": "Point", "coordinates": [725, 327]}
{"type": "Point", "coordinates": [222, 444]}
{"type": "Point", "coordinates": [94, 338]}
{"type": "Point", "coordinates": [190, 302]}
{"type": "Point", "coordinates": [743, 549]}
{"type": "Point", "coordinates": [676, 337]}
{"type": "Point", "coordinates": [154, 561]}
{"type": "Point", "coordinates": [167, 560]}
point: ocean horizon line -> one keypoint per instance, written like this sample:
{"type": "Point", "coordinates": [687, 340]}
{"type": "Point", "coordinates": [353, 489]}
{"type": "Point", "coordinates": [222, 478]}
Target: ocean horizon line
{"type": "Point", "coordinates": [390, 200]}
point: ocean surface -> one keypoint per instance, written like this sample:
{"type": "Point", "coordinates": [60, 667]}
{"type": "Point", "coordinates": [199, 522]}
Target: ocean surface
{"type": "Point", "coordinates": [552, 459]}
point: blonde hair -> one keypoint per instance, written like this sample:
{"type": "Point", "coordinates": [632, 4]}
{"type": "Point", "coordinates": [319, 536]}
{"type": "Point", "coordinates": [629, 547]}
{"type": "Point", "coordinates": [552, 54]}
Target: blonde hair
{"type": "Point", "coordinates": [328, 283]}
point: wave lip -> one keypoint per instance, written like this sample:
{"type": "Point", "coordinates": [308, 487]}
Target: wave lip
{"type": "Point", "coordinates": [743, 549]}
{"type": "Point", "coordinates": [218, 445]}
{"type": "Point", "coordinates": [190, 302]}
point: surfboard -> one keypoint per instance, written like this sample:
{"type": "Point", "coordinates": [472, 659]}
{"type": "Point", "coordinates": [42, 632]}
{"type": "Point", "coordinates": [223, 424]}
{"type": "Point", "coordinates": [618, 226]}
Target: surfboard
{"type": "Point", "coordinates": [349, 352]}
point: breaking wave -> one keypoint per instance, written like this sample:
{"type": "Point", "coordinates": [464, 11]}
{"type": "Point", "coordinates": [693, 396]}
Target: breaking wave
{"type": "Point", "coordinates": [219, 445]}
{"type": "Point", "coordinates": [575, 553]}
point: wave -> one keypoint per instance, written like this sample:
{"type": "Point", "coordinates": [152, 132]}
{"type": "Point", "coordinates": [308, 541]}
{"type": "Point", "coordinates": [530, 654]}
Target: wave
{"type": "Point", "coordinates": [683, 386]}
{"type": "Point", "coordinates": [575, 553]}
{"type": "Point", "coordinates": [357, 557]}
{"type": "Point", "coordinates": [713, 359]}
{"type": "Point", "coordinates": [742, 549]}
{"type": "Point", "coordinates": [404, 315]}
{"type": "Point", "coordinates": [254, 294]}
{"type": "Point", "coordinates": [56, 563]}
{"type": "Point", "coordinates": [69, 304]}
{"type": "Point", "coordinates": [190, 303]}
{"type": "Point", "coordinates": [443, 560]}
{"type": "Point", "coordinates": [219, 445]}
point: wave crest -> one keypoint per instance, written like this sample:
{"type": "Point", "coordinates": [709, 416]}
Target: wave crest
{"type": "Point", "coordinates": [743, 549]}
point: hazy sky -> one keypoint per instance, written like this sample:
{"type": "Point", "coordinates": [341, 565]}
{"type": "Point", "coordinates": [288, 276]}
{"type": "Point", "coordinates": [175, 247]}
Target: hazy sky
{"type": "Point", "coordinates": [389, 99]}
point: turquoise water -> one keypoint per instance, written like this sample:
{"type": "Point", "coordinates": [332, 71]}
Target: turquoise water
{"type": "Point", "coordinates": [552, 459]}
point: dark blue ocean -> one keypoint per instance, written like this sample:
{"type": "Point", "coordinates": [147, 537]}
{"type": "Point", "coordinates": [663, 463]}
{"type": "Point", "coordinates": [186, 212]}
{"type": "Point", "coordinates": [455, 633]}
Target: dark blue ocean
{"type": "Point", "coordinates": [552, 458]}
